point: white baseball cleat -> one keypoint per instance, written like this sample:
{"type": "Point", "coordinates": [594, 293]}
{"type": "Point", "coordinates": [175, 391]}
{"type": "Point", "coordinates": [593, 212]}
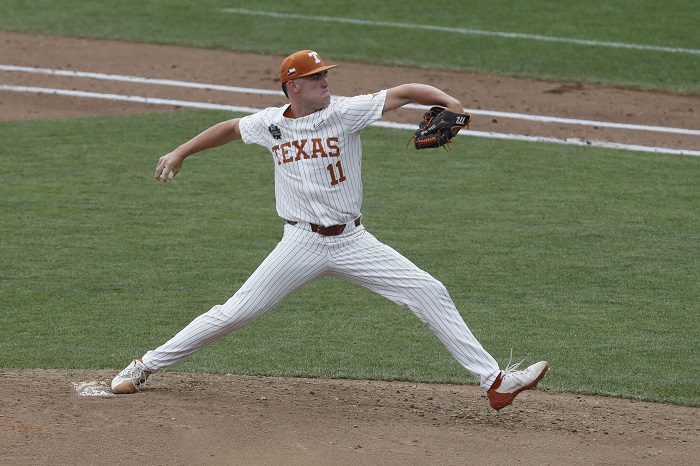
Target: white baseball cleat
{"type": "Point", "coordinates": [129, 380]}
{"type": "Point", "coordinates": [511, 381]}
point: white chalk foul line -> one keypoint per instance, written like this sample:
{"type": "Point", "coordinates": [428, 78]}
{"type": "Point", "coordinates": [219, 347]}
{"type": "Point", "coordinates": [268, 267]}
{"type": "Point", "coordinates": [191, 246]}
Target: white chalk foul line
{"type": "Point", "coordinates": [551, 140]}
{"type": "Point", "coordinates": [575, 121]}
{"type": "Point", "coordinates": [137, 79]}
{"type": "Point", "coordinates": [384, 124]}
{"type": "Point", "coordinates": [128, 98]}
{"type": "Point", "coordinates": [248, 90]}
{"type": "Point", "coordinates": [466, 31]}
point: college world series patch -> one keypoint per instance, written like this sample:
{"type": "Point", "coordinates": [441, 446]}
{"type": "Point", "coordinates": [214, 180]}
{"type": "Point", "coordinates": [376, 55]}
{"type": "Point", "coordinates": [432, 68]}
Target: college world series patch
{"type": "Point", "coordinates": [275, 131]}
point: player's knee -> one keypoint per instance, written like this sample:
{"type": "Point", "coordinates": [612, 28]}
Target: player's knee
{"type": "Point", "coordinates": [434, 287]}
{"type": "Point", "coordinates": [217, 315]}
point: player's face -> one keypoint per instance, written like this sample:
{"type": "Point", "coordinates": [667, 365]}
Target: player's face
{"type": "Point", "coordinates": [315, 90]}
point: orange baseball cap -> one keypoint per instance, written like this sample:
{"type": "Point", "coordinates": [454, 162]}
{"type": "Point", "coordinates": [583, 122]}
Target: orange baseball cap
{"type": "Point", "coordinates": [302, 63]}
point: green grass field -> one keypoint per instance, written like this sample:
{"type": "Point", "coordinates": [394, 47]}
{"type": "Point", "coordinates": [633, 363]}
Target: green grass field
{"type": "Point", "coordinates": [585, 257]}
{"type": "Point", "coordinates": [672, 23]}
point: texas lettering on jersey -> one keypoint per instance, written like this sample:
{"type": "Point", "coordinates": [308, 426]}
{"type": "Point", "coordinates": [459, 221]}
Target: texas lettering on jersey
{"type": "Point", "coordinates": [294, 151]}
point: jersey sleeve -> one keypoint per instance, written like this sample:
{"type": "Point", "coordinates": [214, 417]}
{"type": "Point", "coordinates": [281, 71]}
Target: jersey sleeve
{"type": "Point", "coordinates": [253, 129]}
{"type": "Point", "coordinates": [357, 113]}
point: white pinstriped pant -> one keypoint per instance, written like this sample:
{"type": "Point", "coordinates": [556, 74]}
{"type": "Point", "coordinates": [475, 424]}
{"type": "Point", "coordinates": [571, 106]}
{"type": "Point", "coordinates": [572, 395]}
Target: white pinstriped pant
{"type": "Point", "coordinates": [356, 256]}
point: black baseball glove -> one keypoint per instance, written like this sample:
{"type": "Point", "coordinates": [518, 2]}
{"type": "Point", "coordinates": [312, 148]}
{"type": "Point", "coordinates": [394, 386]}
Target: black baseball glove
{"type": "Point", "coordinates": [438, 127]}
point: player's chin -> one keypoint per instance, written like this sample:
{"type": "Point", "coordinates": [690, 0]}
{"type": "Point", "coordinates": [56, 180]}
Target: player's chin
{"type": "Point", "coordinates": [323, 103]}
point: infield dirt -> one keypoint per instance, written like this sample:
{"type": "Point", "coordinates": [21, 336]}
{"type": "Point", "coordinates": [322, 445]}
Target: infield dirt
{"type": "Point", "coordinates": [227, 419]}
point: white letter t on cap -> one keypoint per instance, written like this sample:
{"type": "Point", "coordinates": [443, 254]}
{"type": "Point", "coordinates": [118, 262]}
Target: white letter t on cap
{"type": "Point", "coordinates": [314, 55]}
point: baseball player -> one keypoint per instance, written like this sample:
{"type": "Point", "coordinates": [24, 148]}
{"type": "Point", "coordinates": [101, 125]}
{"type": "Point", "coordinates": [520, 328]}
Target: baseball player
{"type": "Point", "coordinates": [316, 150]}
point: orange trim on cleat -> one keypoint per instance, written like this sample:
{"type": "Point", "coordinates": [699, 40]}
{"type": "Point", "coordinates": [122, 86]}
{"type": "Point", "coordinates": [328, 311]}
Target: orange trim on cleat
{"type": "Point", "coordinates": [499, 400]}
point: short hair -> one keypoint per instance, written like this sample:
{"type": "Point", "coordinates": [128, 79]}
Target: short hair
{"type": "Point", "coordinates": [284, 89]}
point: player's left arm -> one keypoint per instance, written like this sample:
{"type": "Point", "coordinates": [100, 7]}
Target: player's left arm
{"type": "Point", "coordinates": [422, 94]}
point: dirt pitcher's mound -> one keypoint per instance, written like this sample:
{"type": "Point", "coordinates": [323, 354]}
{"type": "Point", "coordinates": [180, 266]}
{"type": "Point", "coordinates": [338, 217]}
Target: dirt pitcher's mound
{"type": "Point", "coordinates": [223, 419]}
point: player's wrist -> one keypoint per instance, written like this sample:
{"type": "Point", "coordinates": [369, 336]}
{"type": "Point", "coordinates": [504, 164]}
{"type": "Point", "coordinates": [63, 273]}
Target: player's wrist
{"type": "Point", "coordinates": [454, 105]}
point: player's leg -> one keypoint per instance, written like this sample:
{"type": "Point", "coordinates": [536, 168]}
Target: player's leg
{"type": "Point", "coordinates": [371, 264]}
{"type": "Point", "coordinates": [376, 266]}
{"type": "Point", "coordinates": [288, 267]}
{"type": "Point", "coordinates": [291, 265]}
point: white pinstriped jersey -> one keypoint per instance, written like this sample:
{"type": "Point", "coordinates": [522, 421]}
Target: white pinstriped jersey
{"type": "Point", "coordinates": [318, 158]}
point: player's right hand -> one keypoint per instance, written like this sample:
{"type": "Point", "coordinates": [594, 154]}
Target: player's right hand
{"type": "Point", "coordinates": [168, 166]}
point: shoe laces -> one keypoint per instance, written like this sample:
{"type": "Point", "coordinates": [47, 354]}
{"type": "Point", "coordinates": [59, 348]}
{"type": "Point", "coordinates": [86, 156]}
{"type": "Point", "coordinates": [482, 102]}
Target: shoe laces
{"type": "Point", "coordinates": [513, 367]}
{"type": "Point", "coordinates": [136, 373]}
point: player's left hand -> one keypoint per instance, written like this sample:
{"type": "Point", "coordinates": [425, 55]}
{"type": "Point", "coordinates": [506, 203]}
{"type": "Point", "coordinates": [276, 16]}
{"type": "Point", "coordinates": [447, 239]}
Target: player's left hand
{"type": "Point", "coordinates": [438, 127]}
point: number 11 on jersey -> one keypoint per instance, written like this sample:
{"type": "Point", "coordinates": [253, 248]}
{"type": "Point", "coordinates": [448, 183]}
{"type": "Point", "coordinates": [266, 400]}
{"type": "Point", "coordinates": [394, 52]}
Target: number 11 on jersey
{"type": "Point", "coordinates": [341, 176]}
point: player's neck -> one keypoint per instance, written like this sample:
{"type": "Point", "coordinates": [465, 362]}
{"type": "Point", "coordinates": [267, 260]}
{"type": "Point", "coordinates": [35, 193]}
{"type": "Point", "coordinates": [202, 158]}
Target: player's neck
{"type": "Point", "coordinates": [296, 110]}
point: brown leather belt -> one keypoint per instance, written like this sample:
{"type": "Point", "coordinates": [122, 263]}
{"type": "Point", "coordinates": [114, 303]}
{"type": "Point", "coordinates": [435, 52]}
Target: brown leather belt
{"type": "Point", "coordinates": [333, 230]}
